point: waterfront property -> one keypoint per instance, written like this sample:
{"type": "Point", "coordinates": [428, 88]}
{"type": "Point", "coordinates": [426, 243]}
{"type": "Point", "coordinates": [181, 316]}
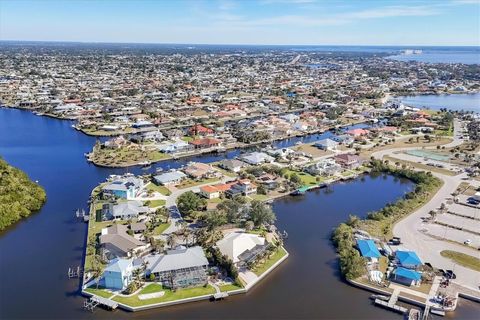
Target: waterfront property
{"type": "Point", "coordinates": [239, 246]}
{"type": "Point", "coordinates": [118, 274]}
{"type": "Point", "coordinates": [126, 188]}
{"type": "Point", "coordinates": [117, 243]}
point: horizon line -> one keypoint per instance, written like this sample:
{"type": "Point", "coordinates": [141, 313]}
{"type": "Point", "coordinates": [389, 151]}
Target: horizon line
{"type": "Point", "coordinates": [236, 44]}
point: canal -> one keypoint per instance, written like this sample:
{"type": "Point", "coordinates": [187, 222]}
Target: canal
{"type": "Point", "coordinates": [36, 253]}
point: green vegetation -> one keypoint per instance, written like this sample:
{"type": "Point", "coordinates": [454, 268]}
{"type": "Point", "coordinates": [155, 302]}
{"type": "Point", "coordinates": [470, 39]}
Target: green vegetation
{"type": "Point", "coordinates": [380, 223]}
{"type": "Point", "coordinates": [192, 183]}
{"type": "Point", "coordinates": [301, 177]}
{"type": "Point", "coordinates": [160, 228]}
{"type": "Point", "coordinates": [101, 292]}
{"type": "Point", "coordinates": [160, 189]}
{"type": "Point", "coordinates": [462, 259]}
{"type": "Point", "coordinates": [230, 287]}
{"type": "Point", "coordinates": [189, 202]}
{"type": "Point", "coordinates": [277, 255]}
{"type": "Point", "coordinates": [19, 196]}
{"type": "Point", "coordinates": [125, 156]}
{"type": "Point", "coordinates": [169, 295]}
{"type": "Point", "coordinates": [156, 203]}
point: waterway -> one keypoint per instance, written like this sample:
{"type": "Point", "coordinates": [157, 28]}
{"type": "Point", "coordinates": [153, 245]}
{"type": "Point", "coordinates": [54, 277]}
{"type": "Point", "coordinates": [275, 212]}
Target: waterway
{"type": "Point", "coordinates": [36, 253]}
{"type": "Point", "coordinates": [456, 102]}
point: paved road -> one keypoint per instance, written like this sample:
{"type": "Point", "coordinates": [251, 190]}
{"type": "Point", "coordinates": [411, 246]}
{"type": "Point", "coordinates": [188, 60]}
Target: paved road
{"type": "Point", "coordinates": [410, 228]}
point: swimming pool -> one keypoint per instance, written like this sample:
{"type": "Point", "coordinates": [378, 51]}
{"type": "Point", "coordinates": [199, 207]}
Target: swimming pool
{"type": "Point", "coordinates": [428, 155]}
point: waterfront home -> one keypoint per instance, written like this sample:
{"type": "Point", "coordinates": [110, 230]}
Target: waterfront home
{"type": "Point", "coordinates": [198, 170]}
{"type": "Point", "coordinates": [239, 246]}
{"type": "Point", "coordinates": [269, 181]}
{"type": "Point", "coordinates": [138, 227]}
{"type": "Point", "coordinates": [174, 146]}
{"type": "Point", "coordinates": [358, 132]}
{"type": "Point", "coordinates": [180, 268]}
{"type": "Point", "coordinates": [256, 158]}
{"type": "Point", "coordinates": [232, 165]}
{"type": "Point", "coordinates": [147, 136]}
{"type": "Point", "coordinates": [326, 167]}
{"type": "Point", "coordinates": [118, 274]}
{"type": "Point", "coordinates": [115, 242]}
{"type": "Point", "coordinates": [348, 161]}
{"type": "Point", "coordinates": [168, 178]}
{"type": "Point", "coordinates": [408, 259]}
{"type": "Point", "coordinates": [116, 143]}
{"type": "Point", "coordinates": [205, 143]}
{"type": "Point", "coordinates": [142, 124]}
{"type": "Point", "coordinates": [326, 144]}
{"type": "Point", "coordinates": [368, 249]}
{"type": "Point", "coordinates": [344, 139]}
{"type": "Point", "coordinates": [124, 210]}
{"type": "Point", "coordinates": [242, 187]}
{"type": "Point", "coordinates": [212, 192]}
{"type": "Point", "coordinates": [406, 276]}
{"type": "Point", "coordinates": [125, 188]}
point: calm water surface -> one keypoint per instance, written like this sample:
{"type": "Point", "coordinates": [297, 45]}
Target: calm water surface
{"type": "Point", "coordinates": [456, 102]}
{"type": "Point", "coordinates": [35, 254]}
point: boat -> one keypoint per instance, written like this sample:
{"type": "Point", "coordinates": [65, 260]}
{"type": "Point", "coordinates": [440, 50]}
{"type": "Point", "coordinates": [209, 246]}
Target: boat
{"type": "Point", "coordinates": [379, 296]}
{"type": "Point", "coordinates": [414, 314]}
{"type": "Point", "coordinates": [145, 163]}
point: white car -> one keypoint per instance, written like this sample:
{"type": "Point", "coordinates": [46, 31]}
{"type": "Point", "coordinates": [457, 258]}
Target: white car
{"type": "Point", "coordinates": [467, 242]}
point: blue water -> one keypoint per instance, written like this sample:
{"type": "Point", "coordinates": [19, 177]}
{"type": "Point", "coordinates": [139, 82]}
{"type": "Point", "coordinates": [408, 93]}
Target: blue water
{"type": "Point", "coordinates": [441, 57]}
{"type": "Point", "coordinates": [456, 102]}
{"type": "Point", "coordinates": [36, 253]}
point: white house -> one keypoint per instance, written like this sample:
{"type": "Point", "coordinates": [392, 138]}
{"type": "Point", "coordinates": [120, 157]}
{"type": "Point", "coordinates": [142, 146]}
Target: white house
{"type": "Point", "coordinates": [235, 244]}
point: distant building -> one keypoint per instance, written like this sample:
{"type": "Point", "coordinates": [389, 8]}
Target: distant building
{"type": "Point", "coordinates": [326, 144]}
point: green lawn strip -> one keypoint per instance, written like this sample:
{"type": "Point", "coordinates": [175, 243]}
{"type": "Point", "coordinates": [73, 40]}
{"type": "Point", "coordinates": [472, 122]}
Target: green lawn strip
{"type": "Point", "coordinates": [191, 183]}
{"type": "Point", "coordinates": [168, 296]}
{"type": "Point", "coordinates": [151, 288]}
{"type": "Point", "coordinates": [259, 197]}
{"type": "Point", "coordinates": [160, 189]}
{"type": "Point", "coordinates": [307, 179]}
{"type": "Point", "coordinates": [99, 292]}
{"type": "Point", "coordinates": [160, 228]}
{"type": "Point", "coordinates": [462, 259]}
{"type": "Point", "coordinates": [230, 287]}
{"type": "Point", "coordinates": [259, 270]}
{"type": "Point", "coordinates": [156, 203]}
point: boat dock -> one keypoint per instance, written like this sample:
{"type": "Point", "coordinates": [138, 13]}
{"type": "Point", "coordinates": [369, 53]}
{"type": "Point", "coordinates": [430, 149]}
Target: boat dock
{"type": "Point", "coordinates": [220, 295]}
{"type": "Point", "coordinates": [392, 303]}
{"type": "Point", "coordinates": [96, 300]}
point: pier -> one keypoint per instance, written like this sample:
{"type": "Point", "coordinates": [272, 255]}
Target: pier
{"type": "Point", "coordinates": [95, 301]}
{"type": "Point", "coordinates": [392, 303]}
{"type": "Point", "coordinates": [74, 272]}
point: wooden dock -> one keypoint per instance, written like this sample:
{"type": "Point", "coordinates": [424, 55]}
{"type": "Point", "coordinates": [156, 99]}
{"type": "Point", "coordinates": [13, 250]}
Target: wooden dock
{"type": "Point", "coordinates": [220, 295]}
{"type": "Point", "coordinates": [392, 303]}
{"type": "Point", "coordinates": [96, 300]}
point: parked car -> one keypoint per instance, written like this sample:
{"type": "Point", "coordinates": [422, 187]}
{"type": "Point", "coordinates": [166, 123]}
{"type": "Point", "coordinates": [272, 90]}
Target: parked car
{"type": "Point", "coordinates": [467, 242]}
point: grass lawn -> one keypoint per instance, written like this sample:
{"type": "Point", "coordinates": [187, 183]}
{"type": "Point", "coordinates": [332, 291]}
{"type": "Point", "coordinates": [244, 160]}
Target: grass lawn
{"type": "Point", "coordinates": [307, 179]}
{"type": "Point", "coordinates": [462, 259]}
{"type": "Point", "coordinates": [160, 189]}
{"type": "Point", "coordinates": [347, 173]}
{"type": "Point", "coordinates": [187, 138]}
{"type": "Point", "coordinates": [101, 292]}
{"type": "Point", "coordinates": [160, 228]}
{"type": "Point", "coordinates": [191, 183]}
{"type": "Point", "coordinates": [420, 166]}
{"type": "Point", "coordinates": [382, 264]}
{"type": "Point", "coordinates": [156, 203]}
{"type": "Point", "coordinates": [168, 296]}
{"type": "Point", "coordinates": [259, 270]}
{"type": "Point", "coordinates": [230, 287]}
{"type": "Point", "coordinates": [259, 197]}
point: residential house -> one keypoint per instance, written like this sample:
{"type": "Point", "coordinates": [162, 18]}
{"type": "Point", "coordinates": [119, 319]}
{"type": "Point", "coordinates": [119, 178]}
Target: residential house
{"type": "Point", "coordinates": [211, 192]}
{"type": "Point", "coordinates": [205, 143]}
{"type": "Point", "coordinates": [269, 181]}
{"type": "Point", "coordinates": [256, 158]}
{"type": "Point", "coordinates": [242, 187]}
{"type": "Point", "coordinates": [232, 165]}
{"type": "Point", "coordinates": [125, 188]}
{"type": "Point", "coordinates": [198, 170]}
{"type": "Point", "coordinates": [199, 130]}
{"type": "Point", "coordinates": [326, 144]}
{"type": "Point", "coordinates": [180, 268]}
{"type": "Point", "coordinates": [174, 146]}
{"type": "Point", "coordinates": [117, 243]}
{"type": "Point", "coordinates": [358, 132]}
{"type": "Point", "coordinates": [241, 247]}
{"type": "Point", "coordinates": [326, 167]}
{"type": "Point", "coordinates": [344, 139]}
{"type": "Point", "coordinates": [118, 274]}
{"type": "Point", "coordinates": [170, 177]}
{"type": "Point", "coordinates": [348, 161]}
{"type": "Point", "coordinates": [124, 210]}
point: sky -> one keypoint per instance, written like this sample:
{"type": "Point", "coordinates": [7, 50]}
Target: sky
{"type": "Point", "coordinates": [293, 22]}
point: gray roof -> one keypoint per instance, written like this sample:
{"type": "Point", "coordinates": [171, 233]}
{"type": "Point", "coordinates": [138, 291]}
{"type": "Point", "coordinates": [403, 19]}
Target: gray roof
{"type": "Point", "coordinates": [129, 209]}
{"type": "Point", "coordinates": [176, 259]}
{"type": "Point", "coordinates": [257, 157]}
{"type": "Point", "coordinates": [124, 184]}
{"type": "Point", "coordinates": [169, 176]}
{"type": "Point", "coordinates": [326, 142]}
{"type": "Point", "coordinates": [117, 236]}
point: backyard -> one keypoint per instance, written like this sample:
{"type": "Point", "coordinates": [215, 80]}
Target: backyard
{"type": "Point", "coordinates": [260, 269]}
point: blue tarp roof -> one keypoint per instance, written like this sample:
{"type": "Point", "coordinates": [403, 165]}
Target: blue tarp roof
{"type": "Point", "coordinates": [408, 258]}
{"type": "Point", "coordinates": [368, 248]}
{"type": "Point", "coordinates": [407, 273]}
